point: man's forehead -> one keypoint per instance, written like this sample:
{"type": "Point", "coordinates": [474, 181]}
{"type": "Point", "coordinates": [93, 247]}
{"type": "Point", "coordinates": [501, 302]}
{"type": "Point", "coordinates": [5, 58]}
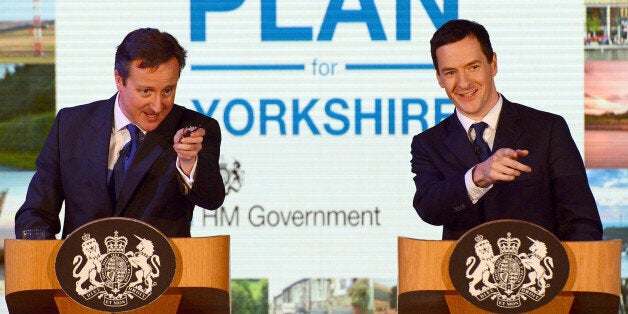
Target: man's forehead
{"type": "Point", "coordinates": [168, 70]}
{"type": "Point", "coordinates": [142, 63]}
{"type": "Point", "coordinates": [460, 53]}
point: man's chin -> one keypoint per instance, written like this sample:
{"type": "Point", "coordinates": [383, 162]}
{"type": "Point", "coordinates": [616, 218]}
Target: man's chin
{"type": "Point", "coordinates": [149, 125]}
{"type": "Point", "coordinates": [468, 110]}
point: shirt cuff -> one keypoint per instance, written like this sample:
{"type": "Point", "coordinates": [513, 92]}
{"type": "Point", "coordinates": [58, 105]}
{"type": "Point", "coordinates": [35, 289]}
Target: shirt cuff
{"type": "Point", "coordinates": [188, 181]}
{"type": "Point", "coordinates": [475, 192]}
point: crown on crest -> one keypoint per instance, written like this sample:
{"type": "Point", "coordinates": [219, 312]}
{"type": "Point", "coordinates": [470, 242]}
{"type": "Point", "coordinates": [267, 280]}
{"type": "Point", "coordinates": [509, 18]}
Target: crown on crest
{"type": "Point", "coordinates": [509, 245]}
{"type": "Point", "coordinates": [480, 241]}
{"type": "Point", "coordinates": [87, 240]}
{"type": "Point", "coordinates": [116, 244]}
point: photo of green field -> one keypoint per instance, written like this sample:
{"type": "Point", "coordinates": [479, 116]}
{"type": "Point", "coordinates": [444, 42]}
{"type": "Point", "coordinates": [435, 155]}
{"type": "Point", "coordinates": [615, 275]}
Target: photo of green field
{"type": "Point", "coordinates": [27, 80]}
{"type": "Point", "coordinates": [17, 43]}
{"type": "Point", "coordinates": [27, 110]}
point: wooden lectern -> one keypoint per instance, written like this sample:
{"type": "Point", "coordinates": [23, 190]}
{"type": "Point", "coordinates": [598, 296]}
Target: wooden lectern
{"type": "Point", "coordinates": [593, 285]}
{"type": "Point", "coordinates": [200, 285]}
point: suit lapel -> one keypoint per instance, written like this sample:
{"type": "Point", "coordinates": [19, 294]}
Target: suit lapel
{"type": "Point", "coordinates": [508, 129]}
{"type": "Point", "coordinates": [148, 152]}
{"type": "Point", "coordinates": [458, 142]}
{"type": "Point", "coordinates": [96, 140]}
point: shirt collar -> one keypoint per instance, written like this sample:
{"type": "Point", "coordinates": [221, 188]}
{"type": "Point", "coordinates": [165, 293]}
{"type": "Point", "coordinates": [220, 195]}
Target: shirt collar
{"type": "Point", "coordinates": [120, 121]}
{"type": "Point", "coordinates": [491, 118]}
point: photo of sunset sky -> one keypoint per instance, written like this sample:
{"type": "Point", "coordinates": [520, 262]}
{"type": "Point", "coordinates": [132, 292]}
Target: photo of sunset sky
{"type": "Point", "coordinates": [606, 113]}
{"type": "Point", "coordinates": [605, 93]}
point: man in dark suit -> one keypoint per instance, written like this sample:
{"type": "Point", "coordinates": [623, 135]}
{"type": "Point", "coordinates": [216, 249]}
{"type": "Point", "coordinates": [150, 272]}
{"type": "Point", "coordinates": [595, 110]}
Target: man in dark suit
{"type": "Point", "coordinates": [493, 159]}
{"type": "Point", "coordinates": [170, 167]}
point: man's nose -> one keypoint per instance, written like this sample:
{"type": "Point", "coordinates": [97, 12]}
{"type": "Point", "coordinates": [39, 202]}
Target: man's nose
{"type": "Point", "coordinates": [463, 80]}
{"type": "Point", "coordinates": [155, 104]}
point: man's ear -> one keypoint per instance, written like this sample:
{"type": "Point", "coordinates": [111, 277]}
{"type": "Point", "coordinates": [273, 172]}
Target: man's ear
{"type": "Point", "coordinates": [118, 79]}
{"type": "Point", "coordinates": [494, 64]}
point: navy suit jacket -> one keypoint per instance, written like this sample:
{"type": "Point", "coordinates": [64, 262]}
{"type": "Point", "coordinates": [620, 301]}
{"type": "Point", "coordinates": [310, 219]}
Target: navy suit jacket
{"type": "Point", "coordinates": [72, 168]}
{"type": "Point", "coordinates": [555, 195]}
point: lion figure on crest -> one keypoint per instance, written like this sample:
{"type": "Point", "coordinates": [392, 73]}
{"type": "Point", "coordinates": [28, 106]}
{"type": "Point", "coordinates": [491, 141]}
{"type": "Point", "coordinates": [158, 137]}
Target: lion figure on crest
{"type": "Point", "coordinates": [540, 265]}
{"type": "Point", "coordinates": [140, 259]}
{"type": "Point", "coordinates": [484, 269]}
{"type": "Point", "coordinates": [91, 268]}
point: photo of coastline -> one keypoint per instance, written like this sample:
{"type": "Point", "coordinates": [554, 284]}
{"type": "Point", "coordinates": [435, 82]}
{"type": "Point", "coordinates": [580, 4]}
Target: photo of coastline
{"type": "Point", "coordinates": [606, 113]}
{"type": "Point", "coordinates": [27, 102]}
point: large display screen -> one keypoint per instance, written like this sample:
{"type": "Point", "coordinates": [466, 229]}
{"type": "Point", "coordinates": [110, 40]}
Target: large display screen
{"type": "Point", "coordinates": [318, 102]}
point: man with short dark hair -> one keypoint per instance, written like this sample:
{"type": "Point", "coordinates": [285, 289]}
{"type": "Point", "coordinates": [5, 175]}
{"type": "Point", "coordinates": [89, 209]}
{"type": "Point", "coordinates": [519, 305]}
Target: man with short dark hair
{"type": "Point", "coordinates": [493, 159]}
{"type": "Point", "coordinates": [135, 155]}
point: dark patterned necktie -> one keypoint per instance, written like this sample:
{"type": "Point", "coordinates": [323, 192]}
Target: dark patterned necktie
{"type": "Point", "coordinates": [124, 160]}
{"type": "Point", "coordinates": [133, 144]}
{"type": "Point", "coordinates": [479, 144]}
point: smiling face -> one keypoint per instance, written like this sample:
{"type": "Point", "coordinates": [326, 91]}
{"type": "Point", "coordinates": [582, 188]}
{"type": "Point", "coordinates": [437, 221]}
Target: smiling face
{"type": "Point", "coordinates": [467, 77]}
{"type": "Point", "coordinates": [147, 96]}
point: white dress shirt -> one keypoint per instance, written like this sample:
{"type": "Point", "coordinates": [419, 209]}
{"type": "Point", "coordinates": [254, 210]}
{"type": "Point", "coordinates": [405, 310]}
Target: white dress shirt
{"type": "Point", "coordinates": [120, 136]}
{"type": "Point", "coordinates": [491, 118]}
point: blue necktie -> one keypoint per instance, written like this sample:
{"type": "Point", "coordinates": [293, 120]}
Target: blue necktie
{"type": "Point", "coordinates": [124, 160]}
{"type": "Point", "coordinates": [133, 144]}
{"type": "Point", "coordinates": [479, 144]}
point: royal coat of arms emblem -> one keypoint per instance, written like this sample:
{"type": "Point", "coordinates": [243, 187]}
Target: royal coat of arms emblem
{"type": "Point", "coordinates": [530, 268]}
{"type": "Point", "coordinates": [120, 278]}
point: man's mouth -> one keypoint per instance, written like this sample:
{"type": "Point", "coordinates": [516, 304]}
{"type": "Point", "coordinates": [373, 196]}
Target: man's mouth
{"type": "Point", "coordinates": [469, 94]}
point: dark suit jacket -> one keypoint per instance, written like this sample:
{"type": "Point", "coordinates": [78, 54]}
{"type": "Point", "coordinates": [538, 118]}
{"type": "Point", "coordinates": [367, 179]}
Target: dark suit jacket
{"type": "Point", "coordinates": [72, 168]}
{"type": "Point", "coordinates": [555, 195]}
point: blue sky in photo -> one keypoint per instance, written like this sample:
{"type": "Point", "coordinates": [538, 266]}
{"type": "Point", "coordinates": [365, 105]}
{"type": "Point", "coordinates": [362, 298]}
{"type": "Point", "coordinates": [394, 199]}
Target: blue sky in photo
{"type": "Point", "coordinates": [610, 189]}
{"type": "Point", "coordinates": [608, 178]}
{"type": "Point", "coordinates": [22, 10]}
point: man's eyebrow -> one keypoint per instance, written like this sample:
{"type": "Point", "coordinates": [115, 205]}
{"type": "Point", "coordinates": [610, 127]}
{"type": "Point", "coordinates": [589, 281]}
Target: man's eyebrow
{"type": "Point", "coordinates": [144, 87]}
{"type": "Point", "coordinates": [466, 65]}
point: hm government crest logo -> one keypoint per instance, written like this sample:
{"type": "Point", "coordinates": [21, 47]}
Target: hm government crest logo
{"type": "Point", "coordinates": [232, 175]}
{"type": "Point", "coordinates": [135, 268]}
{"type": "Point", "coordinates": [529, 270]}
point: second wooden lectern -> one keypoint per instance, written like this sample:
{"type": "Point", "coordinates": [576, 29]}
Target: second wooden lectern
{"type": "Point", "coordinates": [593, 285]}
{"type": "Point", "coordinates": [200, 285]}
